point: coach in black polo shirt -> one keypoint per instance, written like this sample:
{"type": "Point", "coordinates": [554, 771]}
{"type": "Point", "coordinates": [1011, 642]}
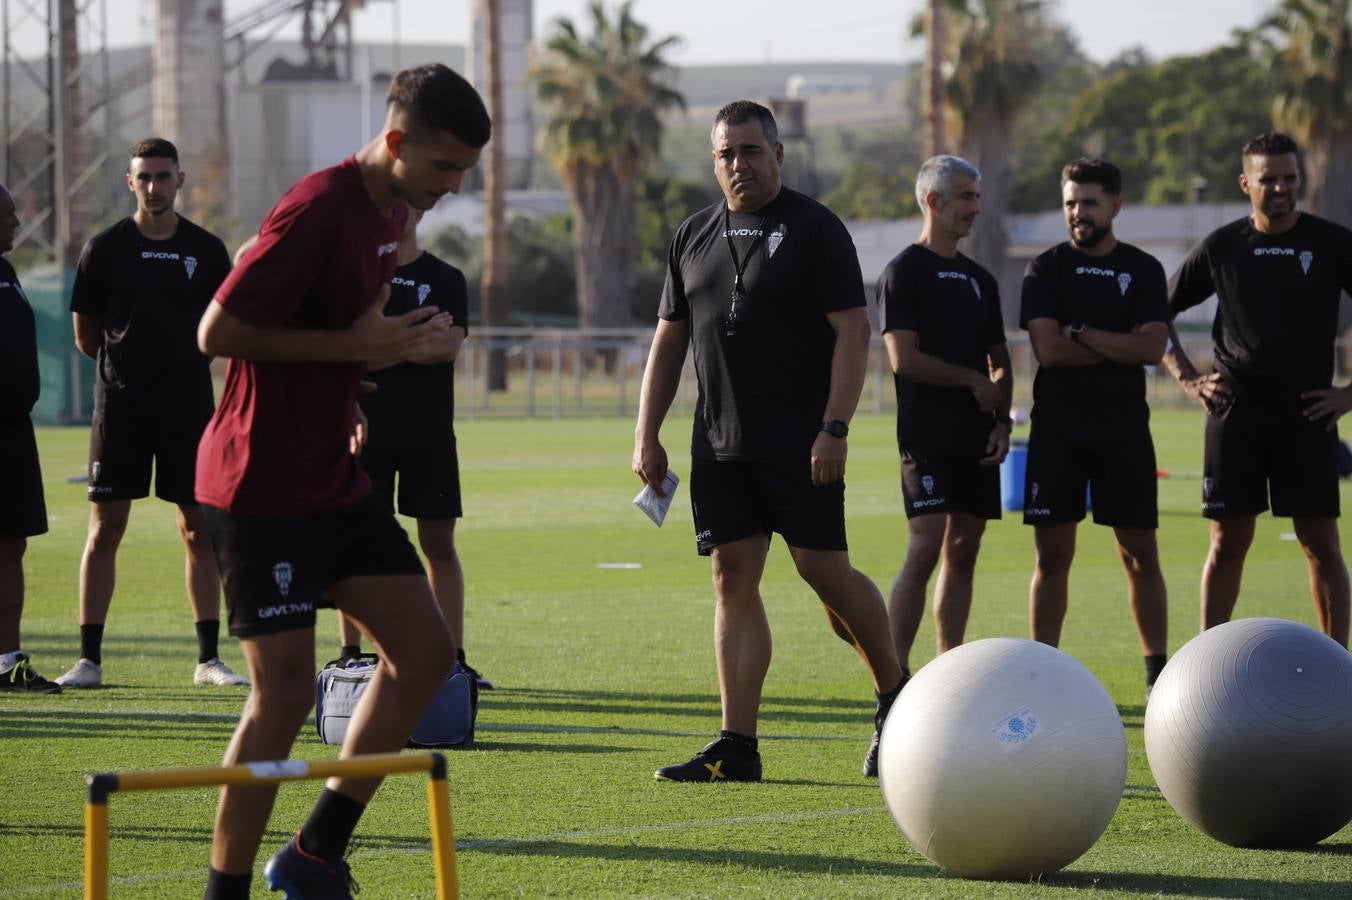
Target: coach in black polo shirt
{"type": "Point", "coordinates": [140, 289]}
{"type": "Point", "coordinates": [766, 287]}
{"type": "Point", "coordinates": [1096, 313]}
{"type": "Point", "coordinates": [945, 337]}
{"type": "Point", "coordinates": [1271, 410]}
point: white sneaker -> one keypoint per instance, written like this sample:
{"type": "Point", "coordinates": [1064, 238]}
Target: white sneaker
{"type": "Point", "coordinates": [213, 671]}
{"type": "Point", "coordinates": [84, 674]}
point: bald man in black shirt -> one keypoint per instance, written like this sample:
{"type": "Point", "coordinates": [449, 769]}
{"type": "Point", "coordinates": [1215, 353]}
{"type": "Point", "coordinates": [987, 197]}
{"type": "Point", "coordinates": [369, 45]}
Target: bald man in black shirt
{"type": "Point", "coordinates": [1272, 411]}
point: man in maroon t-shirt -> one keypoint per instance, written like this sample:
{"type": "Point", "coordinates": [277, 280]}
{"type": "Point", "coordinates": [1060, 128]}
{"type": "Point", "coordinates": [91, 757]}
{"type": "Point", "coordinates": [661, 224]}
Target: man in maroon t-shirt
{"type": "Point", "coordinates": [291, 515]}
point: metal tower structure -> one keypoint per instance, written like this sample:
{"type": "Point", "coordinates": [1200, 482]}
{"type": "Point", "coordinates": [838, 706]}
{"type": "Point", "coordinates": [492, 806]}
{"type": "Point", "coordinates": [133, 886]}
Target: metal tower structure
{"type": "Point", "coordinates": [57, 115]}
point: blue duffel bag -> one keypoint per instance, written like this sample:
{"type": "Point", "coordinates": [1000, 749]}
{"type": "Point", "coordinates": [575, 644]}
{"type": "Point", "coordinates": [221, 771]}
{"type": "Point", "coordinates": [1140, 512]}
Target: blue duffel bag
{"type": "Point", "coordinates": [447, 723]}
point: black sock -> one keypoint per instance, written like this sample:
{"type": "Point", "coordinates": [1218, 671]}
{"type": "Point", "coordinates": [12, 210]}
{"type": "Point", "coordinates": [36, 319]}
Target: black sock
{"type": "Point", "coordinates": [326, 833]}
{"type": "Point", "coordinates": [208, 639]}
{"type": "Point", "coordinates": [1154, 665]}
{"type": "Point", "coordinates": [224, 886]}
{"type": "Point", "coordinates": [460, 655]}
{"type": "Point", "coordinates": [350, 650]}
{"type": "Point", "coordinates": [91, 643]}
{"type": "Point", "coordinates": [886, 699]}
{"type": "Point", "coordinates": [743, 745]}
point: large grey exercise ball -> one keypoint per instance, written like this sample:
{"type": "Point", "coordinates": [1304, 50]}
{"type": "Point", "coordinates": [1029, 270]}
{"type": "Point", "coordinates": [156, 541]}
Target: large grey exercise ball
{"type": "Point", "coordinates": [1249, 733]}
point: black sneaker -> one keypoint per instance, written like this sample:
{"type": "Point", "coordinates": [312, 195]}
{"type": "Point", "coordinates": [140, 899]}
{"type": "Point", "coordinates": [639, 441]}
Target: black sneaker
{"type": "Point", "coordinates": [879, 717]}
{"type": "Point", "coordinates": [304, 876]}
{"type": "Point", "coordinates": [722, 760]}
{"type": "Point", "coordinates": [484, 683]}
{"type": "Point", "coordinates": [21, 678]}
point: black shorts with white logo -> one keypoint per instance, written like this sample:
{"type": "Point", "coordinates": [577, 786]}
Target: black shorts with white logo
{"type": "Point", "coordinates": [126, 435]}
{"type": "Point", "coordinates": [946, 481]}
{"type": "Point", "coordinates": [429, 479]}
{"type": "Point", "coordinates": [737, 499]}
{"type": "Point", "coordinates": [23, 510]}
{"type": "Point", "coordinates": [1114, 461]}
{"type": "Point", "coordinates": [1254, 448]}
{"type": "Point", "coordinates": [275, 569]}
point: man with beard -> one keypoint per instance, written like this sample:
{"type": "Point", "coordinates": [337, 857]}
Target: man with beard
{"type": "Point", "coordinates": [1271, 412]}
{"type": "Point", "coordinates": [945, 338]}
{"type": "Point", "coordinates": [1095, 309]}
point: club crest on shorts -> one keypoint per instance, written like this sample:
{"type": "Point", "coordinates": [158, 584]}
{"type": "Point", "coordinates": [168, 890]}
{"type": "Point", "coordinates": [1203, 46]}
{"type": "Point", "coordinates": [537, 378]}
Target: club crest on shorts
{"type": "Point", "coordinates": [281, 573]}
{"type": "Point", "coordinates": [927, 482]}
{"type": "Point", "coordinates": [1033, 495]}
{"type": "Point", "coordinates": [1306, 257]}
{"type": "Point", "coordinates": [1207, 487]}
{"type": "Point", "coordinates": [423, 291]}
{"type": "Point", "coordinates": [190, 263]}
{"type": "Point", "coordinates": [95, 470]}
{"type": "Point", "coordinates": [1124, 282]}
{"type": "Point", "coordinates": [773, 241]}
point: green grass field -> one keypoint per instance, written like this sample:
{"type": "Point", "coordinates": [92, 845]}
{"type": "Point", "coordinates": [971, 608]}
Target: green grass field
{"type": "Point", "coordinates": [604, 675]}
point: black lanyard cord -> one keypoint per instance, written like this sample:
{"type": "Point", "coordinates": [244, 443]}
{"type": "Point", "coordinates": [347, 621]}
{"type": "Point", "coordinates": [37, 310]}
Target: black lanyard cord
{"type": "Point", "coordinates": [739, 264]}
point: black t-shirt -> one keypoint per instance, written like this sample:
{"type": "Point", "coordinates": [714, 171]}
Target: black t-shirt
{"type": "Point", "coordinates": [1116, 292]}
{"type": "Point", "coordinates": [19, 378]}
{"type": "Point", "coordinates": [414, 405]}
{"type": "Point", "coordinates": [1278, 313]}
{"type": "Point", "coordinates": [763, 388]}
{"type": "Point", "coordinates": [150, 295]}
{"type": "Point", "coordinates": [953, 306]}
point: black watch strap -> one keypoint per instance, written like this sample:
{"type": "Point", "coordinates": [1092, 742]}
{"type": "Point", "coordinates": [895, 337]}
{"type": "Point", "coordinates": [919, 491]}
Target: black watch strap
{"type": "Point", "coordinates": [835, 428]}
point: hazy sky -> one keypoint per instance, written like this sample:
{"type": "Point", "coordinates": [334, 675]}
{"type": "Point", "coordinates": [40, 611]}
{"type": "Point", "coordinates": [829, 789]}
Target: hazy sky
{"type": "Point", "coordinates": [717, 31]}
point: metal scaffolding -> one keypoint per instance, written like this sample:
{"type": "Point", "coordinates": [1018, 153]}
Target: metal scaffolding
{"type": "Point", "coordinates": [57, 114]}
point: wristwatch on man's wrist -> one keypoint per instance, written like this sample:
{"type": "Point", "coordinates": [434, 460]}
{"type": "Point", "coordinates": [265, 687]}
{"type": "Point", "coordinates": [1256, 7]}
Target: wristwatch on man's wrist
{"type": "Point", "coordinates": [835, 428]}
{"type": "Point", "coordinates": [1076, 331]}
{"type": "Point", "coordinates": [1007, 421]}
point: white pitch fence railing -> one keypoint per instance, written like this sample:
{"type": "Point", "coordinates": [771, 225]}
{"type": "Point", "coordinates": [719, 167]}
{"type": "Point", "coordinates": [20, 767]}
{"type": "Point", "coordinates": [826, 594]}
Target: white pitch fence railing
{"type": "Point", "coordinates": [568, 372]}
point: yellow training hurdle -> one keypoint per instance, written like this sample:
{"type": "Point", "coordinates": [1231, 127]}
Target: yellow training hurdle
{"type": "Point", "coordinates": [369, 766]}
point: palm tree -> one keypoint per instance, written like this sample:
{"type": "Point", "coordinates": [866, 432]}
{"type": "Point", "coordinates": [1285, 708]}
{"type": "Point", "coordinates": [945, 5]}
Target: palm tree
{"type": "Point", "coordinates": [994, 71]}
{"type": "Point", "coordinates": [933, 78]}
{"type": "Point", "coordinates": [1307, 45]}
{"type": "Point", "coordinates": [603, 95]}
{"type": "Point", "coordinates": [494, 285]}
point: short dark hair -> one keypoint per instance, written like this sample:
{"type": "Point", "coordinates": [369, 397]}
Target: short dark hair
{"type": "Point", "coordinates": [438, 99]}
{"type": "Point", "coordinates": [1269, 143]}
{"type": "Point", "coordinates": [151, 148]}
{"type": "Point", "coordinates": [739, 111]}
{"type": "Point", "coordinates": [1094, 171]}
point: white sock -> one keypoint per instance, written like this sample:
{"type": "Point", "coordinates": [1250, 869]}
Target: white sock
{"type": "Point", "coordinates": [9, 660]}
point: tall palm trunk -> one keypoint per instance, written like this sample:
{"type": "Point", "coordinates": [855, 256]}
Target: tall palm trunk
{"type": "Point", "coordinates": [605, 221]}
{"type": "Point", "coordinates": [986, 145]}
{"type": "Point", "coordinates": [494, 285]}
{"type": "Point", "coordinates": [933, 78]}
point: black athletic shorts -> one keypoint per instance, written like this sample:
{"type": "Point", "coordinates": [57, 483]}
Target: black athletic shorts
{"type": "Point", "coordinates": [737, 499]}
{"type": "Point", "coordinates": [275, 569]}
{"type": "Point", "coordinates": [945, 481]}
{"type": "Point", "coordinates": [1116, 461]}
{"type": "Point", "coordinates": [429, 479]}
{"type": "Point", "coordinates": [23, 511]}
{"type": "Point", "coordinates": [1254, 448]}
{"type": "Point", "coordinates": [126, 435]}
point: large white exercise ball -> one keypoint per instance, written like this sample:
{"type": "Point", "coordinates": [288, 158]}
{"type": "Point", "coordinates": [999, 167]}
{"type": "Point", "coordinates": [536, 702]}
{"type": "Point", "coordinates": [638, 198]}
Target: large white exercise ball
{"type": "Point", "coordinates": [1249, 733]}
{"type": "Point", "coordinates": [1003, 758]}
